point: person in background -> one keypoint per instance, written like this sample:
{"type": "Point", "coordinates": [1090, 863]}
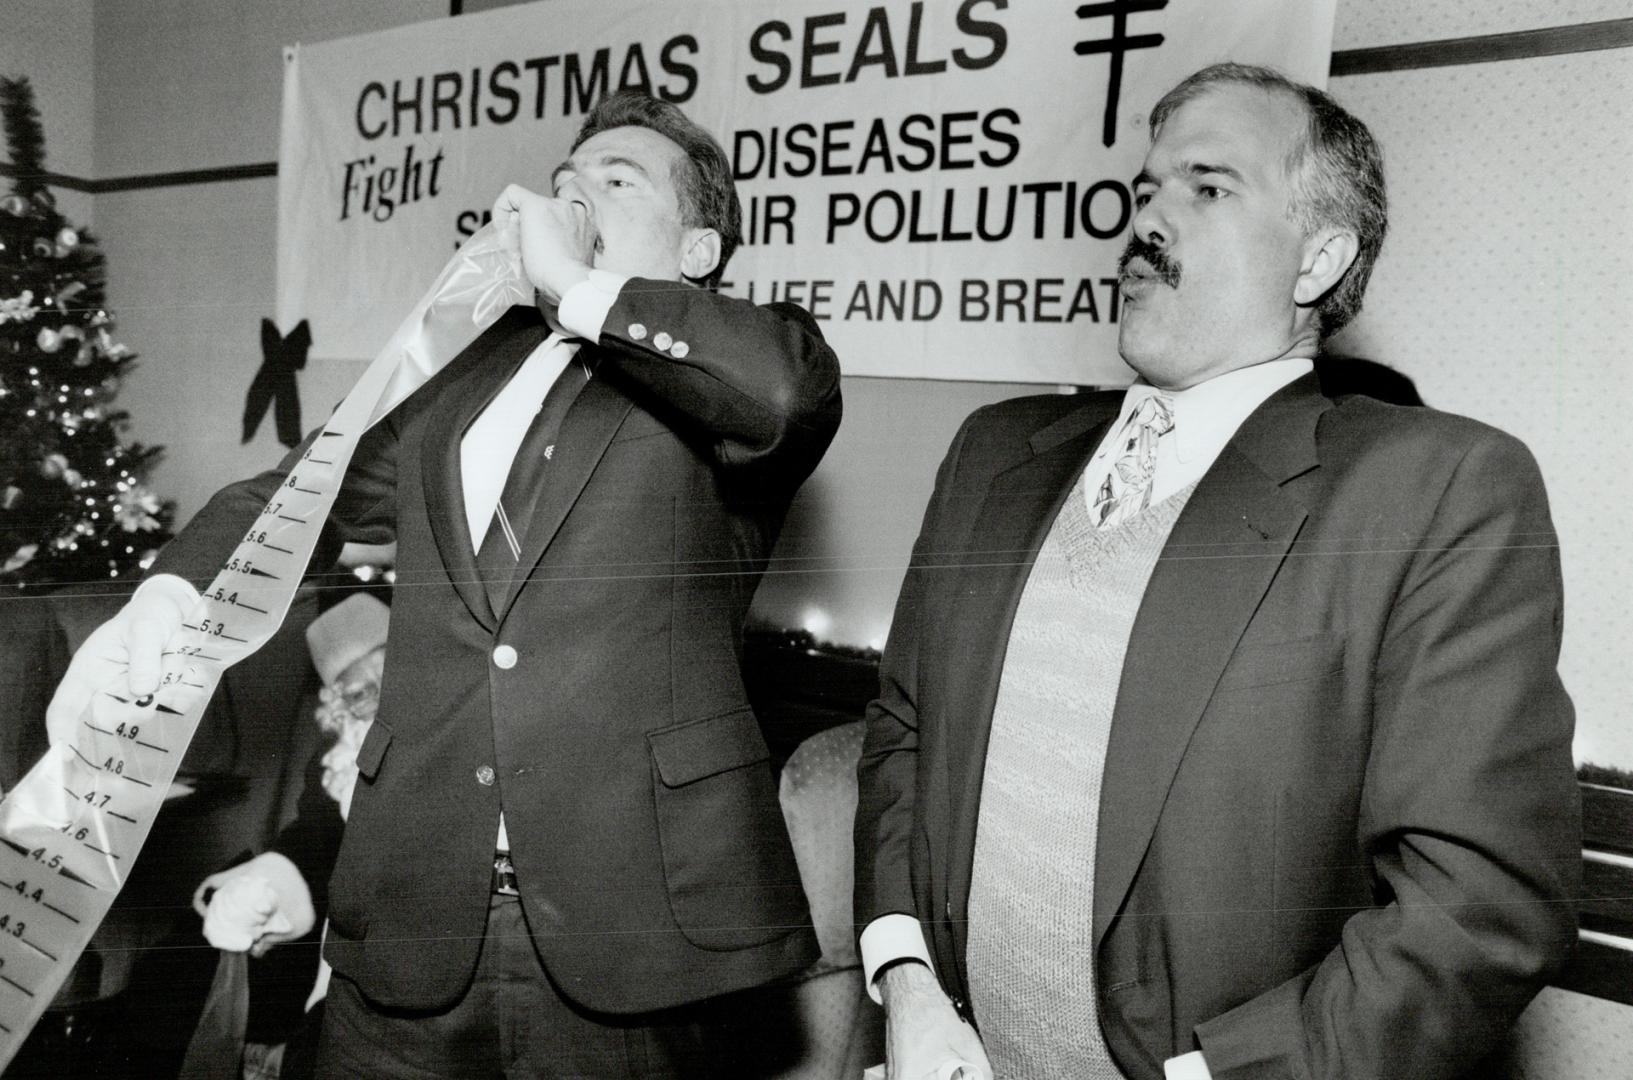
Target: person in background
{"type": "Point", "coordinates": [278, 895]}
{"type": "Point", "coordinates": [564, 846]}
{"type": "Point", "coordinates": [1219, 729]}
{"type": "Point", "coordinates": [268, 899]}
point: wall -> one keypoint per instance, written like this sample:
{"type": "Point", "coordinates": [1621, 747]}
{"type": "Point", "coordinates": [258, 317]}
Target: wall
{"type": "Point", "coordinates": [1503, 291]}
{"type": "Point", "coordinates": [197, 84]}
{"type": "Point", "coordinates": [51, 44]}
{"type": "Point", "coordinates": [1500, 290]}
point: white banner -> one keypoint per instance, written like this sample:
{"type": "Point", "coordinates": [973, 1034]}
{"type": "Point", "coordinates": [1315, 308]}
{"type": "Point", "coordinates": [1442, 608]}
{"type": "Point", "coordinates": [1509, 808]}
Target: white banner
{"type": "Point", "coordinates": [944, 183]}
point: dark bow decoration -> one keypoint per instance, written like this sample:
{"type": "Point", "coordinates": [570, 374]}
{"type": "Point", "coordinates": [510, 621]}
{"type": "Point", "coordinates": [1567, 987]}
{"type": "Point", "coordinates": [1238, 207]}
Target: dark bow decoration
{"type": "Point", "coordinates": [274, 383]}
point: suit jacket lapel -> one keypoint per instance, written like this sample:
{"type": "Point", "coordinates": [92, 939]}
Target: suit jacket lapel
{"type": "Point", "coordinates": [478, 374]}
{"type": "Point", "coordinates": [1015, 516]}
{"type": "Point", "coordinates": [1221, 557]}
{"type": "Point", "coordinates": [585, 433]}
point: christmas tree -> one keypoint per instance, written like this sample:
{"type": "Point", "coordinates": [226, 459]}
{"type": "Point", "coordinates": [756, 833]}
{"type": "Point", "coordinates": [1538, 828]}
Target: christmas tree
{"type": "Point", "coordinates": [74, 504]}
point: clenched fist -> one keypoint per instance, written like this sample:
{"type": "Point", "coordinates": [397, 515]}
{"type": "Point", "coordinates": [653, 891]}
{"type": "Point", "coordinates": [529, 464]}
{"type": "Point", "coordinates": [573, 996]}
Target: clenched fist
{"type": "Point", "coordinates": [557, 238]}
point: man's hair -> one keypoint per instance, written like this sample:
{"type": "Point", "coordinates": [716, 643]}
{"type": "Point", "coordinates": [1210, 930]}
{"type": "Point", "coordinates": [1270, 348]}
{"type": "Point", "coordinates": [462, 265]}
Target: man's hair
{"type": "Point", "coordinates": [1336, 173]}
{"type": "Point", "coordinates": [708, 196]}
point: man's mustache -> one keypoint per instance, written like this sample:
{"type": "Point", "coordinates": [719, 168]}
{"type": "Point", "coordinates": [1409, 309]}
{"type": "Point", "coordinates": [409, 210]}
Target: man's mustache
{"type": "Point", "coordinates": [1163, 268]}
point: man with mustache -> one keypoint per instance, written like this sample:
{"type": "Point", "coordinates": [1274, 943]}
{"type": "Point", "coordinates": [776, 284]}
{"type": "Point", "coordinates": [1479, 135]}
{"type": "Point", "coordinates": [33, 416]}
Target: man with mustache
{"type": "Point", "coordinates": [1219, 731]}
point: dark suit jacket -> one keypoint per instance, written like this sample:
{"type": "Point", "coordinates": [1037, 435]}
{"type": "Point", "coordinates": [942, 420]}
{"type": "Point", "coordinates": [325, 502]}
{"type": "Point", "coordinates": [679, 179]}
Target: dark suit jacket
{"type": "Point", "coordinates": [643, 818]}
{"type": "Point", "coordinates": [1339, 829]}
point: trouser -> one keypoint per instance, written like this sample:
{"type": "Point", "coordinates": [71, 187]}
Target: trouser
{"type": "Point", "coordinates": [514, 1022]}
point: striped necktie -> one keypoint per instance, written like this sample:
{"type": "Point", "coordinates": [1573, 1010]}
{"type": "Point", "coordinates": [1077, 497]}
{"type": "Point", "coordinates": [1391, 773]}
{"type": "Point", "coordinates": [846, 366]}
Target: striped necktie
{"type": "Point", "coordinates": [499, 557]}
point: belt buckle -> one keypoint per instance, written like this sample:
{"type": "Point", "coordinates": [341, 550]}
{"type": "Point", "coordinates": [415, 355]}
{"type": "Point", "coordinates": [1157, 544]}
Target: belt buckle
{"type": "Point", "coordinates": [504, 876]}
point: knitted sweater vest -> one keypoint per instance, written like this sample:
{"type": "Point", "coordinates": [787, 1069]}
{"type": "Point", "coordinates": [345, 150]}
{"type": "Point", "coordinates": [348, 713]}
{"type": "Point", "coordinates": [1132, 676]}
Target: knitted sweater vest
{"type": "Point", "coordinates": [1030, 955]}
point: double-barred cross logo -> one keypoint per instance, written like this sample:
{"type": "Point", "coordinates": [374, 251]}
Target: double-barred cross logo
{"type": "Point", "coordinates": [1115, 46]}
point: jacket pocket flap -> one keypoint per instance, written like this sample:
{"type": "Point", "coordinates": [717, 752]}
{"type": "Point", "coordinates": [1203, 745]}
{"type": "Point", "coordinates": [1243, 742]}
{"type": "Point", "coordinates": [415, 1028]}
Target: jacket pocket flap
{"type": "Point", "coordinates": [373, 750]}
{"type": "Point", "coordinates": [1273, 663]}
{"type": "Point", "coordinates": [702, 748]}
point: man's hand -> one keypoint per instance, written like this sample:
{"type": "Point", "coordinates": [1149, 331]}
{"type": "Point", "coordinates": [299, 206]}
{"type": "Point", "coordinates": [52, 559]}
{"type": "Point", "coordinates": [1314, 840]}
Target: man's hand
{"type": "Point", "coordinates": [255, 905]}
{"type": "Point", "coordinates": [127, 647]}
{"type": "Point", "coordinates": [557, 238]}
{"type": "Point", "coordinates": [922, 1030]}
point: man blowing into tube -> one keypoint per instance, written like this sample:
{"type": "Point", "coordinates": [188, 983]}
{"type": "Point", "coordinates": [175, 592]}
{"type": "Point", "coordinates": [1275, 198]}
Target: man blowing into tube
{"type": "Point", "coordinates": [565, 837]}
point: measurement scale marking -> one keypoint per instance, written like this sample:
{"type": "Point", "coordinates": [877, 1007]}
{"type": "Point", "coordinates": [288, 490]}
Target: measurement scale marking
{"type": "Point", "coordinates": [152, 746]}
{"type": "Point", "coordinates": [83, 758]}
{"type": "Point", "coordinates": [122, 817]}
{"type": "Point", "coordinates": [99, 851]}
{"type": "Point", "coordinates": [59, 911]}
{"type": "Point", "coordinates": [63, 871]}
{"type": "Point", "coordinates": [249, 607]}
{"type": "Point", "coordinates": [133, 779]}
{"type": "Point", "coordinates": [279, 550]}
{"type": "Point", "coordinates": [43, 952]}
{"type": "Point", "coordinates": [9, 981]}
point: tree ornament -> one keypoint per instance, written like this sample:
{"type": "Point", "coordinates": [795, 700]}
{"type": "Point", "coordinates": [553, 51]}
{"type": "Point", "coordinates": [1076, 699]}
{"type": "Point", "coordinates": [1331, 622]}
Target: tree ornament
{"type": "Point", "coordinates": [44, 248]}
{"type": "Point", "coordinates": [19, 559]}
{"type": "Point", "coordinates": [67, 238]}
{"type": "Point", "coordinates": [19, 308]}
{"type": "Point", "coordinates": [136, 509]}
{"type": "Point", "coordinates": [48, 340]}
{"type": "Point", "coordinates": [53, 466]}
{"type": "Point", "coordinates": [45, 200]}
{"type": "Point", "coordinates": [10, 497]}
{"type": "Point", "coordinates": [15, 205]}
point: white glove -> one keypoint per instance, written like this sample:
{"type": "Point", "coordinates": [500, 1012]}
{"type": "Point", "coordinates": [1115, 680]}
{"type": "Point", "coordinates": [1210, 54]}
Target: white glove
{"type": "Point", "coordinates": [255, 905]}
{"type": "Point", "coordinates": [127, 646]}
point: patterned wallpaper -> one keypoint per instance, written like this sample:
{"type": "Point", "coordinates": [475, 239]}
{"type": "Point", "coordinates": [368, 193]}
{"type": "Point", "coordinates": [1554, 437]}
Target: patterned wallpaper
{"type": "Point", "coordinates": [1362, 24]}
{"type": "Point", "coordinates": [1506, 291]}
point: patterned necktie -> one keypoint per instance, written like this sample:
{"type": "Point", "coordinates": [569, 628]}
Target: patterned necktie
{"type": "Point", "coordinates": [1127, 488]}
{"type": "Point", "coordinates": [500, 554]}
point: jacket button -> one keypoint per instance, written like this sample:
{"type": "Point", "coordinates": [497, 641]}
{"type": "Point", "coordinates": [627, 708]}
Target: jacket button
{"type": "Point", "coordinates": [661, 341]}
{"type": "Point", "coordinates": [505, 657]}
{"type": "Point", "coordinates": [637, 331]}
{"type": "Point", "coordinates": [484, 776]}
{"type": "Point", "coordinates": [679, 350]}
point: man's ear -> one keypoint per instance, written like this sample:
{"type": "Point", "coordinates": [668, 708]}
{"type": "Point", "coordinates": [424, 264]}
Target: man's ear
{"type": "Point", "coordinates": [1327, 255]}
{"type": "Point", "coordinates": [702, 253]}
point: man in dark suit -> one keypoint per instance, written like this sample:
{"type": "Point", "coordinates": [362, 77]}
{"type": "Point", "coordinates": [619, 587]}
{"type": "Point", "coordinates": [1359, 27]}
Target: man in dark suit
{"type": "Point", "coordinates": [565, 833]}
{"type": "Point", "coordinates": [1219, 731]}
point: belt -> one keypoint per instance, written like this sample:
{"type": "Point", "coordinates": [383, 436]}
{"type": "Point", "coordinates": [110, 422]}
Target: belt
{"type": "Point", "coordinates": [504, 875]}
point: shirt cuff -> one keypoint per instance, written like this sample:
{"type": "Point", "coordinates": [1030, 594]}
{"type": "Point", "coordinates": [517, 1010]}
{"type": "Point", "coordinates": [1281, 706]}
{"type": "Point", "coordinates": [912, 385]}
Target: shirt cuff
{"type": "Point", "coordinates": [1187, 1067]}
{"type": "Point", "coordinates": [178, 590]}
{"type": "Point", "coordinates": [887, 939]}
{"type": "Point", "coordinates": [584, 309]}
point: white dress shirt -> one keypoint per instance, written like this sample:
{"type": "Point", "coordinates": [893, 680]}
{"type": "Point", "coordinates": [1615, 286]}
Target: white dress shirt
{"type": "Point", "coordinates": [491, 442]}
{"type": "Point", "coordinates": [1206, 417]}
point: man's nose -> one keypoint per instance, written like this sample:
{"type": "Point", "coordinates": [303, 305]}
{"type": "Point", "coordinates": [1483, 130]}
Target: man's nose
{"type": "Point", "coordinates": [574, 192]}
{"type": "Point", "coordinates": [1152, 224]}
